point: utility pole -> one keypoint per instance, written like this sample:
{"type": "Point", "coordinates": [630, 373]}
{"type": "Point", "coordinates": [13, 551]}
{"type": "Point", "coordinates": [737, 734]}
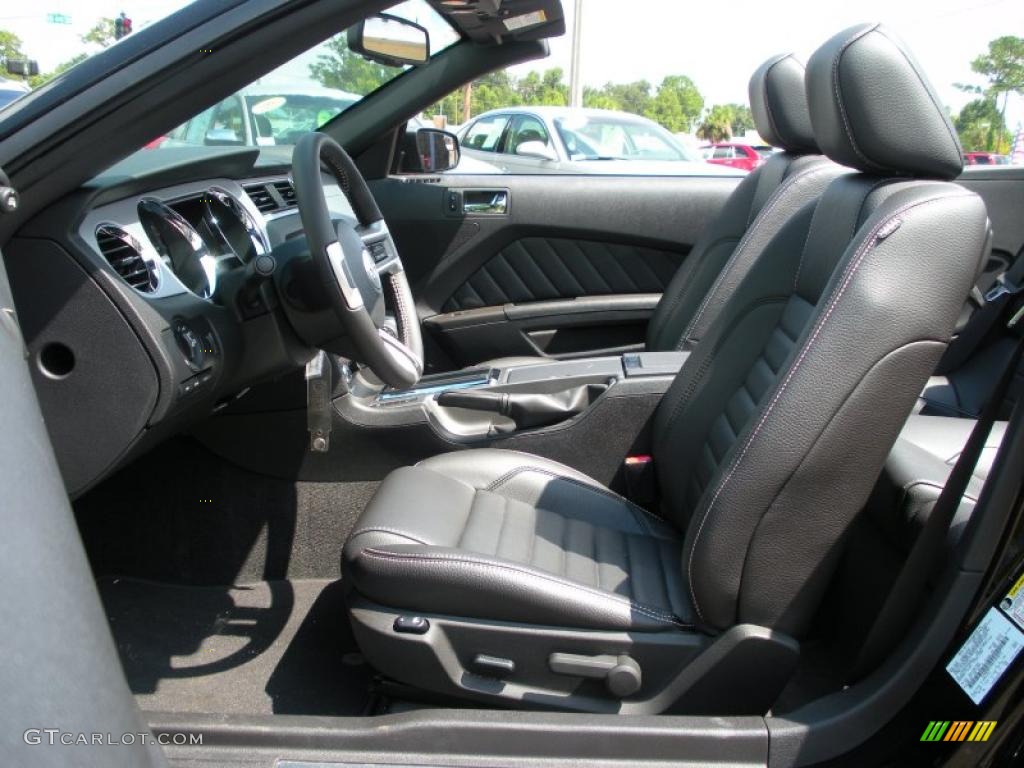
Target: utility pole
{"type": "Point", "coordinates": [575, 76]}
{"type": "Point", "coordinates": [467, 102]}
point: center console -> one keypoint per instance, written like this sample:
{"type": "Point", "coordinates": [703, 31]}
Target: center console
{"type": "Point", "coordinates": [495, 404]}
{"type": "Point", "coordinates": [588, 413]}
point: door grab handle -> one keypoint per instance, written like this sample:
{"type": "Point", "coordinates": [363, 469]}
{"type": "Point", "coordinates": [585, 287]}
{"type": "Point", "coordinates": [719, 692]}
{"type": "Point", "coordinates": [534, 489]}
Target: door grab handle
{"type": "Point", "coordinates": [486, 202]}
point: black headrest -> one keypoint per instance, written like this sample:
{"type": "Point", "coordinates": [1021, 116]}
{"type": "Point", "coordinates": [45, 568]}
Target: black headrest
{"type": "Point", "coordinates": [778, 102]}
{"type": "Point", "coordinates": [873, 109]}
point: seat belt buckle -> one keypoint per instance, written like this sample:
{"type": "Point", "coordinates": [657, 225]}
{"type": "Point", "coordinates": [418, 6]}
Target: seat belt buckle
{"type": "Point", "coordinates": [641, 485]}
{"type": "Point", "coordinates": [1003, 287]}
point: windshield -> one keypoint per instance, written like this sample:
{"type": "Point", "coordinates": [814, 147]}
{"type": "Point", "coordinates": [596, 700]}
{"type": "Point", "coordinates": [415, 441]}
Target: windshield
{"type": "Point", "coordinates": [302, 95]}
{"type": "Point", "coordinates": [600, 137]}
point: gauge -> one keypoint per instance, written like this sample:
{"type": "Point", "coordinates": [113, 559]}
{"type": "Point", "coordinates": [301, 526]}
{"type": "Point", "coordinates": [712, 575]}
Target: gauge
{"type": "Point", "coordinates": [180, 246]}
{"type": "Point", "coordinates": [233, 224]}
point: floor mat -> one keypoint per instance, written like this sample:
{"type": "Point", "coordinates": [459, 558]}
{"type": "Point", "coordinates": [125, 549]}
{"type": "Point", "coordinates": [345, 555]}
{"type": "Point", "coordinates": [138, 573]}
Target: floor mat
{"type": "Point", "coordinates": [282, 647]}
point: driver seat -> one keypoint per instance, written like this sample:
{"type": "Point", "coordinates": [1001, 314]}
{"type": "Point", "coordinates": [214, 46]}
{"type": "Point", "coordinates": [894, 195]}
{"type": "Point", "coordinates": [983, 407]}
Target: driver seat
{"type": "Point", "coordinates": [506, 577]}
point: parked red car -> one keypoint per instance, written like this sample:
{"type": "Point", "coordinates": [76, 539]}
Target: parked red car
{"type": "Point", "coordinates": [985, 158]}
{"type": "Point", "coordinates": [744, 156]}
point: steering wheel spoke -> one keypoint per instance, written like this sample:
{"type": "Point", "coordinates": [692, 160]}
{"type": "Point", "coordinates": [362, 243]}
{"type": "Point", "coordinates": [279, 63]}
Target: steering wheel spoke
{"type": "Point", "coordinates": [358, 264]}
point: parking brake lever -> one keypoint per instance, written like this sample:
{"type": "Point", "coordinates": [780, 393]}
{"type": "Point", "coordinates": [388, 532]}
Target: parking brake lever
{"type": "Point", "coordinates": [525, 409]}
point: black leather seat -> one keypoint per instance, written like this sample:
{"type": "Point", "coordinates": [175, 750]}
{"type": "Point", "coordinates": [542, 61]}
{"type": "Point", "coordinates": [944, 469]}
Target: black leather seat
{"type": "Point", "coordinates": [916, 471]}
{"type": "Point", "coordinates": [773, 191]}
{"type": "Point", "coordinates": [532, 582]}
{"type": "Point", "coordinates": [530, 540]}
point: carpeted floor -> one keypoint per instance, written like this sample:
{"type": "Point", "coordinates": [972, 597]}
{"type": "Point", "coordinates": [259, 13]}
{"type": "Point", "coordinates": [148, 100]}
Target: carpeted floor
{"type": "Point", "coordinates": [182, 514]}
{"type": "Point", "coordinates": [282, 647]}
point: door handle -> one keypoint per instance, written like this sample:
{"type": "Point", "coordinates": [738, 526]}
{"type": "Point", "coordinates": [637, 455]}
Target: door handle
{"type": "Point", "coordinates": [490, 202]}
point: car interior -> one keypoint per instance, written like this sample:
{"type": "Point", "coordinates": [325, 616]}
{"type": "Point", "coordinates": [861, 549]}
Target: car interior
{"type": "Point", "coordinates": [343, 441]}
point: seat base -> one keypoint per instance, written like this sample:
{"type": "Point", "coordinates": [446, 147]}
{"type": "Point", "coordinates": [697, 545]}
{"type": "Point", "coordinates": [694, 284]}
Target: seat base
{"type": "Point", "coordinates": [740, 672]}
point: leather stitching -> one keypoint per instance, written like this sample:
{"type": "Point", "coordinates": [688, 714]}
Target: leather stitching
{"type": "Point", "coordinates": [674, 302]}
{"type": "Point", "coordinates": [839, 99]}
{"type": "Point", "coordinates": [768, 103]}
{"type": "Point", "coordinates": [386, 529]}
{"type": "Point", "coordinates": [612, 278]}
{"type": "Point", "coordinates": [931, 97]}
{"type": "Point", "coordinates": [866, 247]}
{"type": "Point", "coordinates": [856, 225]}
{"type": "Point", "coordinates": [650, 612]}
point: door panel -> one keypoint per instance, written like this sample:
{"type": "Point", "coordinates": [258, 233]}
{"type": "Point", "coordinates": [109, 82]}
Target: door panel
{"type": "Point", "coordinates": [575, 265]}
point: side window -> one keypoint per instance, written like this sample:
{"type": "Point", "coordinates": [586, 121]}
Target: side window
{"type": "Point", "coordinates": [485, 134]}
{"type": "Point", "coordinates": [723, 153]}
{"type": "Point", "coordinates": [525, 129]}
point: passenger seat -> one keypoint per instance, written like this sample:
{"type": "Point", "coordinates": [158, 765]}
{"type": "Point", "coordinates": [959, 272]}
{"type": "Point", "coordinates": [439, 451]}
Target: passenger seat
{"type": "Point", "coordinates": [770, 194]}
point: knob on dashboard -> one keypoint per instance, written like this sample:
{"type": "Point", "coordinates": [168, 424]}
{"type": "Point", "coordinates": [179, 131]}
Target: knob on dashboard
{"type": "Point", "coordinates": [190, 345]}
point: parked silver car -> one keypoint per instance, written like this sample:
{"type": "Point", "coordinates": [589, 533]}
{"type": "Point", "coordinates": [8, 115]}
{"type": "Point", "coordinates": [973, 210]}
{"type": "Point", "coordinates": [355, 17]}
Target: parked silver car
{"type": "Point", "coordinates": [566, 140]}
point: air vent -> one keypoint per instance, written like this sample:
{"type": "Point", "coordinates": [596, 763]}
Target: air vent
{"type": "Point", "coordinates": [124, 254]}
{"type": "Point", "coordinates": [287, 192]}
{"type": "Point", "coordinates": [260, 195]}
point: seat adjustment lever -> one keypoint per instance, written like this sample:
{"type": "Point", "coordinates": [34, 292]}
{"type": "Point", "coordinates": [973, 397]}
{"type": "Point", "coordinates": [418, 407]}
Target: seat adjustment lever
{"type": "Point", "coordinates": [621, 673]}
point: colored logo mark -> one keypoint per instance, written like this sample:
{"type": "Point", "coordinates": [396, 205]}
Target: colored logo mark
{"type": "Point", "coordinates": [958, 730]}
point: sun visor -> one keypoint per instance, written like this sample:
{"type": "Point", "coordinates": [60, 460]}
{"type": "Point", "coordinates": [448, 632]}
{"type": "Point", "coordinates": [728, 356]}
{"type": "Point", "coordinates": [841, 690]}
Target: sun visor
{"type": "Point", "coordinates": [495, 21]}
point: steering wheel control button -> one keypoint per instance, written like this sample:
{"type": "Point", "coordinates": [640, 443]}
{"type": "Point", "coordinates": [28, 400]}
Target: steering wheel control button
{"type": "Point", "coordinates": [371, 269]}
{"type": "Point", "coordinates": [379, 251]}
{"type": "Point", "coordinates": [411, 625]}
{"type": "Point", "coordinates": [349, 290]}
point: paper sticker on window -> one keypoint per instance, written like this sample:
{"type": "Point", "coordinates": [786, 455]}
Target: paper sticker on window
{"type": "Point", "coordinates": [1013, 603]}
{"type": "Point", "coordinates": [526, 20]}
{"type": "Point", "coordinates": [988, 652]}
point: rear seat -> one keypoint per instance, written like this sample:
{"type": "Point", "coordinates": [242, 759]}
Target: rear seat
{"type": "Point", "coordinates": [917, 469]}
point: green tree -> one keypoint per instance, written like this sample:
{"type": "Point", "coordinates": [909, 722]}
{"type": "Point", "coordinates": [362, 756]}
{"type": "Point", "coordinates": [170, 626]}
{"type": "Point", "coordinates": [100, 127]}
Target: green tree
{"type": "Point", "coordinates": [742, 119]}
{"type": "Point", "coordinates": [676, 105]}
{"type": "Point", "coordinates": [10, 45]}
{"type": "Point", "coordinates": [632, 97]}
{"type": "Point", "coordinates": [10, 48]}
{"type": "Point", "coordinates": [717, 124]}
{"type": "Point", "coordinates": [981, 126]}
{"type": "Point", "coordinates": [101, 34]}
{"type": "Point", "coordinates": [1003, 68]}
{"type": "Point", "coordinates": [540, 89]}
{"type": "Point", "coordinates": [598, 98]}
{"type": "Point", "coordinates": [346, 70]}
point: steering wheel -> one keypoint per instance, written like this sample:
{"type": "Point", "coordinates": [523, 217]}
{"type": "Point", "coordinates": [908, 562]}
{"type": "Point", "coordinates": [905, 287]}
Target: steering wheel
{"type": "Point", "coordinates": [358, 265]}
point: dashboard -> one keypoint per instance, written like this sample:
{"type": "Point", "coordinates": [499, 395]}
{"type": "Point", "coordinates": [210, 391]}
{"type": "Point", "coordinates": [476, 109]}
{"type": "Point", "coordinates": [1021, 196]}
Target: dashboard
{"type": "Point", "coordinates": [155, 307]}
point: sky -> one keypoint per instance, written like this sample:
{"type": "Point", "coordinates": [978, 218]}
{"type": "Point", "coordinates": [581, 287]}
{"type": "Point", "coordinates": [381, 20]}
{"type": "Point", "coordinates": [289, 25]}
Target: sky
{"type": "Point", "coordinates": [717, 46]}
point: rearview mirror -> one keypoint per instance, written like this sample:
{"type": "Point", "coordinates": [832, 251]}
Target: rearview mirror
{"type": "Point", "coordinates": [536, 149]}
{"type": "Point", "coordinates": [390, 40]}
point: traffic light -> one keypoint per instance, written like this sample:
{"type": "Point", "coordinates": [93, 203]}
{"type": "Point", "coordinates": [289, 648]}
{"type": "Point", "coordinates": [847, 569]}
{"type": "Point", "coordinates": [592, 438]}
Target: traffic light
{"type": "Point", "coordinates": [122, 26]}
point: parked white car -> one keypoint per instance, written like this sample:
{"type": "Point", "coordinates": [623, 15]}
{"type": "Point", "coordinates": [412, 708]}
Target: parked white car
{"type": "Point", "coordinates": [262, 115]}
{"type": "Point", "coordinates": [565, 140]}
{"type": "Point", "coordinates": [11, 90]}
